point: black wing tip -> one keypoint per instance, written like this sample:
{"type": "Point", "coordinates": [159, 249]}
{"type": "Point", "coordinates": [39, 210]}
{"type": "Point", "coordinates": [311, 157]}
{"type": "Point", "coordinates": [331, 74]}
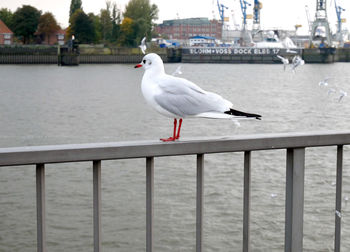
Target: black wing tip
{"type": "Point", "coordinates": [240, 113]}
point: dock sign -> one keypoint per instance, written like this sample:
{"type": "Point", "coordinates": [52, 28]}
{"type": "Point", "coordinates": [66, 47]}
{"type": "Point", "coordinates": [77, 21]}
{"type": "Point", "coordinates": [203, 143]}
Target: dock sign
{"type": "Point", "coordinates": [231, 51]}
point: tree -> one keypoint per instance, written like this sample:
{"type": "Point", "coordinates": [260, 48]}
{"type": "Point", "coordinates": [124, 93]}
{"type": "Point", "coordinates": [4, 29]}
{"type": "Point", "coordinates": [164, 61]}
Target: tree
{"type": "Point", "coordinates": [74, 5]}
{"type": "Point", "coordinates": [7, 17]}
{"type": "Point", "coordinates": [47, 25]}
{"type": "Point", "coordinates": [82, 27]}
{"type": "Point", "coordinates": [25, 22]}
{"type": "Point", "coordinates": [110, 22]}
{"type": "Point", "coordinates": [106, 24]}
{"type": "Point", "coordinates": [142, 13]}
{"type": "Point", "coordinates": [97, 26]}
{"type": "Point", "coordinates": [126, 32]}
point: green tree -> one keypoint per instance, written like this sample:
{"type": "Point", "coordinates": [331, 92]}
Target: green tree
{"type": "Point", "coordinates": [110, 22]}
{"type": "Point", "coordinates": [82, 27]}
{"type": "Point", "coordinates": [97, 26]}
{"type": "Point", "coordinates": [6, 16]}
{"type": "Point", "coordinates": [106, 24]}
{"type": "Point", "coordinates": [25, 22]}
{"type": "Point", "coordinates": [74, 5]}
{"type": "Point", "coordinates": [47, 25]}
{"type": "Point", "coordinates": [142, 13]}
{"type": "Point", "coordinates": [115, 22]}
{"type": "Point", "coordinates": [126, 33]}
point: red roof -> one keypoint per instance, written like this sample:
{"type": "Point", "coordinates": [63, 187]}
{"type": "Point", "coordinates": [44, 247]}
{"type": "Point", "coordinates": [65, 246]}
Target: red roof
{"type": "Point", "coordinates": [4, 28]}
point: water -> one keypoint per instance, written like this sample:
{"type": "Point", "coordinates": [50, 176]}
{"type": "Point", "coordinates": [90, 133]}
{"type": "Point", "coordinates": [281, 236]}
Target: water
{"type": "Point", "coordinates": [43, 105]}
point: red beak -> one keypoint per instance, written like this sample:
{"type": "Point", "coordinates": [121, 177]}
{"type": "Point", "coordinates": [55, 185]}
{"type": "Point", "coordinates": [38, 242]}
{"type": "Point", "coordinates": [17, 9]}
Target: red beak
{"type": "Point", "coordinates": [138, 65]}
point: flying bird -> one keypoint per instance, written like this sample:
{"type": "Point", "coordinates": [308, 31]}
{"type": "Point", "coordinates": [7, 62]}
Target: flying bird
{"type": "Point", "coordinates": [324, 82]}
{"type": "Point", "coordinates": [285, 61]}
{"type": "Point", "coordinates": [179, 98]}
{"type": "Point", "coordinates": [297, 61]}
{"type": "Point", "coordinates": [143, 46]}
{"type": "Point", "coordinates": [342, 94]}
{"type": "Point", "coordinates": [331, 91]}
{"type": "Point", "coordinates": [291, 51]}
{"type": "Point", "coordinates": [177, 71]}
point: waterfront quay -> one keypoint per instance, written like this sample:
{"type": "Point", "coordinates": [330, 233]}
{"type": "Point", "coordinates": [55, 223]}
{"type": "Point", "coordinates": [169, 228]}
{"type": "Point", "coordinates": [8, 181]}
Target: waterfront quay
{"type": "Point", "coordinates": [294, 145]}
{"type": "Point", "coordinates": [104, 55]}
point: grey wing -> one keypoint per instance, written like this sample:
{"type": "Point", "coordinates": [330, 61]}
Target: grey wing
{"type": "Point", "coordinates": [184, 98]}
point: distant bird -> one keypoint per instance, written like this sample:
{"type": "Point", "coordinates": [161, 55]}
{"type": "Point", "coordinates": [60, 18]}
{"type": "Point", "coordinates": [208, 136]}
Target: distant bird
{"type": "Point", "coordinates": [342, 94]}
{"type": "Point", "coordinates": [297, 61]}
{"type": "Point", "coordinates": [143, 46]}
{"type": "Point", "coordinates": [291, 51]}
{"type": "Point", "coordinates": [331, 91]}
{"type": "Point", "coordinates": [339, 214]}
{"type": "Point", "coordinates": [285, 61]}
{"type": "Point", "coordinates": [177, 71]}
{"type": "Point", "coordinates": [179, 98]}
{"type": "Point", "coordinates": [324, 82]}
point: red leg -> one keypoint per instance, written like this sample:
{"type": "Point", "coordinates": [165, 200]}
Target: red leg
{"type": "Point", "coordinates": [173, 138]}
{"type": "Point", "coordinates": [178, 131]}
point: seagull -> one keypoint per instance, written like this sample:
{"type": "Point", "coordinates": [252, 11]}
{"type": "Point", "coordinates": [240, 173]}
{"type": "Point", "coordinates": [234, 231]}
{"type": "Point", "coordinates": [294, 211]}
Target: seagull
{"type": "Point", "coordinates": [342, 94]}
{"type": "Point", "coordinates": [177, 71]}
{"type": "Point", "coordinates": [179, 98]}
{"type": "Point", "coordinates": [285, 61]}
{"type": "Point", "coordinates": [291, 51]}
{"type": "Point", "coordinates": [143, 45]}
{"type": "Point", "coordinates": [297, 61]}
{"type": "Point", "coordinates": [324, 82]}
{"type": "Point", "coordinates": [331, 91]}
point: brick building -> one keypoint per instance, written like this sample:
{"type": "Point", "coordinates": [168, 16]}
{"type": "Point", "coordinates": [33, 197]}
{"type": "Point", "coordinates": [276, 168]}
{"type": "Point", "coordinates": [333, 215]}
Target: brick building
{"type": "Point", "coordinates": [6, 35]}
{"type": "Point", "coordinates": [57, 37]}
{"type": "Point", "coordinates": [183, 29]}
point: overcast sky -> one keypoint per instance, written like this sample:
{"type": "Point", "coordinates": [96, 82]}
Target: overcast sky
{"type": "Point", "coordinates": [274, 14]}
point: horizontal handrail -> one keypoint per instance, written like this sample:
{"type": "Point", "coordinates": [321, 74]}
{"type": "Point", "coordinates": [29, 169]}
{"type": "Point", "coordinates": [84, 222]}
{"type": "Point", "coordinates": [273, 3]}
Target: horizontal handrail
{"type": "Point", "coordinates": [140, 149]}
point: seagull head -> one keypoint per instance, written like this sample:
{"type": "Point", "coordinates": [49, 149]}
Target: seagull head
{"type": "Point", "coordinates": [152, 62]}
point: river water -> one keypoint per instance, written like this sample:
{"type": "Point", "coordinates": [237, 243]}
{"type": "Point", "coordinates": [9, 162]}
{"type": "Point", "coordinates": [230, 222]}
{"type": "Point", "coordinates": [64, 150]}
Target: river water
{"type": "Point", "coordinates": [46, 104]}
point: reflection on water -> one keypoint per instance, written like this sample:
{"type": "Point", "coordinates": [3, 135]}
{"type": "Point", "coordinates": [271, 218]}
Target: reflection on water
{"type": "Point", "coordinates": [42, 105]}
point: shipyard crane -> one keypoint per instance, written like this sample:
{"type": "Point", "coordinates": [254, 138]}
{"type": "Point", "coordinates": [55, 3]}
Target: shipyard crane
{"type": "Point", "coordinates": [244, 12]}
{"type": "Point", "coordinates": [222, 8]}
{"type": "Point", "coordinates": [320, 31]}
{"type": "Point", "coordinates": [308, 17]}
{"type": "Point", "coordinates": [256, 20]}
{"type": "Point", "coordinates": [339, 11]}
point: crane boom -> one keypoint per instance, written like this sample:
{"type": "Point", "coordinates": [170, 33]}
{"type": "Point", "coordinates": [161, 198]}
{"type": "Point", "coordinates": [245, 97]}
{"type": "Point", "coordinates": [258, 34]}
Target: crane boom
{"type": "Point", "coordinates": [244, 11]}
{"type": "Point", "coordinates": [221, 8]}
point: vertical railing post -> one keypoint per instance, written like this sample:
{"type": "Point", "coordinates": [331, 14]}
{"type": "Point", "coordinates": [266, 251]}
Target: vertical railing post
{"type": "Point", "coordinates": [149, 202]}
{"type": "Point", "coordinates": [246, 201]}
{"type": "Point", "coordinates": [97, 205]}
{"type": "Point", "coordinates": [294, 200]}
{"type": "Point", "coordinates": [199, 202]}
{"type": "Point", "coordinates": [338, 200]}
{"type": "Point", "coordinates": [40, 206]}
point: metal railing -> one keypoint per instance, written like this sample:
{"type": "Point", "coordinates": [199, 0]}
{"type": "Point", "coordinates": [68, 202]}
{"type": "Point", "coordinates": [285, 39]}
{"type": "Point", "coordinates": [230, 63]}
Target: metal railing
{"type": "Point", "coordinates": [294, 143]}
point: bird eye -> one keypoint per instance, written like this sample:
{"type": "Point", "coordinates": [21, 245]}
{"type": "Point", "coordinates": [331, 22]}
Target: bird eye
{"type": "Point", "coordinates": [144, 61]}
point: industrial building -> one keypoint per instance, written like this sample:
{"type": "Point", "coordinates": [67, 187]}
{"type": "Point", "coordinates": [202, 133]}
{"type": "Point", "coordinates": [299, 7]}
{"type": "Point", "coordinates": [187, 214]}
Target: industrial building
{"type": "Point", "coordinates": [183, 29]}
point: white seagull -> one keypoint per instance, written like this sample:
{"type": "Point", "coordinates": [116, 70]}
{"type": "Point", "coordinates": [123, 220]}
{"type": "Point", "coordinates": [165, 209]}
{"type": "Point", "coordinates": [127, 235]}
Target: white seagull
{"type": "Point", "coordinates": [285, 61]}
{"type": "Point", "coordinates": [143, 45]}
{"type": "Point", "coordinates": [179, 98]}
{"type": "Point", "coordinates": [342, 94]}
{"type": "Point", "coordinates": [291, 51]}
{"type": "Point", "coordinates": [177, 71]}
{"type": "Point", "coordinates": [297, 61]}
{"type": "Point", "coordinates": [324, 82]}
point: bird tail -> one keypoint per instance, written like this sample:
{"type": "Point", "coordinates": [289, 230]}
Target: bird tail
{"type": "Point", "coordinates": [240, 113]}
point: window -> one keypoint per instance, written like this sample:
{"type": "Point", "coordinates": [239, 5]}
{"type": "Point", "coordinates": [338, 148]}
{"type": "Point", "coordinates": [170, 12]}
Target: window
{"type": "Point", "coordinates": [7, 36]}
